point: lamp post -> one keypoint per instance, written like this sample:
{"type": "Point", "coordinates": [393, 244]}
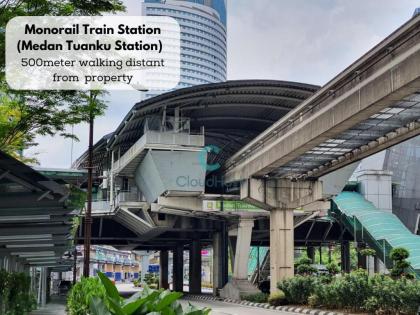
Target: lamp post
{"type": "Point", "coordinates": [88, 214]}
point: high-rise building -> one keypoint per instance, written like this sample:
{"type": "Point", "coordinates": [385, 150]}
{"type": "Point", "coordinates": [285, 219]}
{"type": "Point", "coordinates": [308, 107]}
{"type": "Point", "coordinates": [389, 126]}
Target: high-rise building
{"type": "Point", "coordinates": [203, 38]}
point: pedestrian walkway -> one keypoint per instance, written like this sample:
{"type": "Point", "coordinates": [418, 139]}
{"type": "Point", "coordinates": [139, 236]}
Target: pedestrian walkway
{"type": "Point", "coordinates": [57, 306]}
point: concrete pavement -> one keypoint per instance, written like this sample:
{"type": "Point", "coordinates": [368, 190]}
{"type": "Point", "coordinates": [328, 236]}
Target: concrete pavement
{"type": "Point", "coordinates": [218, 307]}
{"type": "Point", "coordinates": [223, 308]}
{"type": "Point", "coordinates": [57, 306]}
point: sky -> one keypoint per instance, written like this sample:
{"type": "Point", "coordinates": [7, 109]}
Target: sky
{"type": "Point", "coordinates": [308, 41]}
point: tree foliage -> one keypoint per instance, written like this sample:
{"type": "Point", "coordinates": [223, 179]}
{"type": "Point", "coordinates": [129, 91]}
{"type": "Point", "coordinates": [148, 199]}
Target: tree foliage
{"type": "Point", "coordinates": [27, 114]}
{"type": "Point", "coordinates": [400, 267]}
{"type": "Point", "coordinates": [145, 302]}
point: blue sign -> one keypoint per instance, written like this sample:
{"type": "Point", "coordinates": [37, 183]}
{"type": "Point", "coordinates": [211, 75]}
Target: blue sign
{"type": "Point", "coordinates": [153, 268]}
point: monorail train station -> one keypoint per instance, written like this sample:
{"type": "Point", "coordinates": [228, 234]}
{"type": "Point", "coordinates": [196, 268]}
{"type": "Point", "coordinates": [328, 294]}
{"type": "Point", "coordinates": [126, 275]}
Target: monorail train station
{"type": "Point", "coordinates": [218, 189]}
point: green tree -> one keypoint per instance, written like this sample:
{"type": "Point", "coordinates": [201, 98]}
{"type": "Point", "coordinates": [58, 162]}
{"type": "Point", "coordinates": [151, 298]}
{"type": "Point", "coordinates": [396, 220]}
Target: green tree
{"type": "Point", "coordinates": [400, 267]}
{"type": "Point", "coordinates": [27, 114]}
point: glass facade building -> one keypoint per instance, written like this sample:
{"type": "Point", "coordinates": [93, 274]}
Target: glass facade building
{"type": "Point", "coordinates": [203, 38]}
{"type": "Point", "coordinates": [404, 162]}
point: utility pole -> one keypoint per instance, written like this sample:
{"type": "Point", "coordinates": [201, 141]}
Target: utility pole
{"type": "Point", "coordinates": [88, 214]}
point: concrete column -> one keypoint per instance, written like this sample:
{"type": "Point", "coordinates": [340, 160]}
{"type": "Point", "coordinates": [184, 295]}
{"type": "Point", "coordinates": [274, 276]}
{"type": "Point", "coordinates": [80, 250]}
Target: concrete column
{"type": "Point", "coordinates": [310, 251]}
{"type": "Point", "coordinates": [220, 259]}
{"type": "Point", "coordinates": [12, 264]}
{"type": "Point", "coordinates": [195, 267]}
{"type": "Point", "coordinates": [345, 256]}
{"type": "Point", "coordinates": [163, 268]}
{"type": "Point", "coordinates": [239, 285]}
{"type": "Point", "coordinates": [243, 246]}
{"type": "Point", "coordinates": [48, 285]}
{"type": "Point", "coordinates": [144, 266]}
{"type": "Point", "coordinates": [43, 286]}
{"type": "Point", "coordinates": [281, 246]}
{"type": "Point", "coordinates": [178, 268]}
{"type": "Point", "coordinates": [376, 186]}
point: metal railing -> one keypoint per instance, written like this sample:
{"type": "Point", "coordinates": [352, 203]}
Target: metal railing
{"type": "Point", "coordinates": [129, 196]}
{"type": "Point", "coordinates": [100, 206]}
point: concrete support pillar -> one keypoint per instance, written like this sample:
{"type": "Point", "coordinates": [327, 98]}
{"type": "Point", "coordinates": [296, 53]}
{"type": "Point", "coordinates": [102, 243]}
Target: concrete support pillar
{"type": "Point", "coordinates": [310, 251]}
{"type": "Point", "coordinates": [195, 267]}
{"type": "Point", "coordinates": [281, 246]}
{"type": "Point", "coordinates": [243, 246]}
{"type": "Point", "coordinates": [12, 264]}
{"type": "Point", "coordinates": [178, 268]}
{"type": "Point", "coordinates": [43, 286]}
{"type": "Point", "coordinates": [239, 284]}
{"type": "Point", "coordinates": [48, 285]}
{"type": "Point", "coordinates": [345, 256]}
{"type": "Point", "coordinates": [379, 266]}
{"type": "Point", "coordinates": [144, 266]}
{"type": "Point", "coordinates": [220, 259]}
{"type": "Point", "coordinates": [163, 267]}
{"type": "Point", "coordinates": [6, 263]}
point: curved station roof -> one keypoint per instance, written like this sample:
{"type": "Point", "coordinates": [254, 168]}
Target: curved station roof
{"type": "Point", "coordinates": [231, 113]}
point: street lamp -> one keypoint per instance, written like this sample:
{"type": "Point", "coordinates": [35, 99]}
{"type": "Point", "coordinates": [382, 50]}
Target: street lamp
{"type": "Point", "coordinates": [88, 214]}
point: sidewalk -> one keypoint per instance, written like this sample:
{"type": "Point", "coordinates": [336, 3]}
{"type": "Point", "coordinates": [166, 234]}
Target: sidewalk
{"type": "Point", "coordinates": [57, 306]}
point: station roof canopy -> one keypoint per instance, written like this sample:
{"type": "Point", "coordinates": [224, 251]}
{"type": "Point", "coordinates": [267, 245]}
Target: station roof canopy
{"type": "Point", "coordinates": [231, 113]}
{"type": "Point", "coordinates": [35, 214]}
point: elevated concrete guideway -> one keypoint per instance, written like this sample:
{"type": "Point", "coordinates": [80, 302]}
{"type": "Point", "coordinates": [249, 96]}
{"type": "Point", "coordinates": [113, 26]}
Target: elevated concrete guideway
{"type": "Point", "coordinates": [370, 106]}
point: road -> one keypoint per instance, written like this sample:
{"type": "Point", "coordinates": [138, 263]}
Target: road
{"type": "Point", "coordinates": [223, 308]}
{"type": "Point", "coordinates": [218, 307]}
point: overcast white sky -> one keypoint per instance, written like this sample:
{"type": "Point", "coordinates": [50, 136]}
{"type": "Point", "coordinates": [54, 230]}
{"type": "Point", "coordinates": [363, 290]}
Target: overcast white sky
{"type": "Point", "coordinates": [307, 41]}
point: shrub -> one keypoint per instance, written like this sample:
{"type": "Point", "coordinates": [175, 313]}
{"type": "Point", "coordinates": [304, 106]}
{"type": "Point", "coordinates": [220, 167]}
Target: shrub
{"type": "Point", "coordinates": [303, 261]}
{"type": "Point", "coordinates": [20, 299]}
{"type": "Point", "coordinates": [352, 289]}
{"type": "Point", "coordinates": [16, 297]}
{"type": "Point", "coordinates": [303, 266]}
{"type": "Point", "coordinates": [277, 298]}
{"type": "Point", "coordinates": [394, 295]}
{"type": "Point", "coordinates": [297, 289]}
{"type": "Point", "coordinates": [399, 256]}
{"type": "Point", "coordinates": [306, 270]}
{"type": "Point", "coordinates": [313, 300]}
{"type": "Point", "coordinates": [257, 297]}
{"type": "Point", "coordinates": [367, 252]}
{"type": "Point", "coordinates": [399, 253]}
{"type": "Point", "coordinates": [333, 268]}
{"type": "Point", "coordinates": [81, 293]}
{"type": "Point", "coordinates": [356, 292]}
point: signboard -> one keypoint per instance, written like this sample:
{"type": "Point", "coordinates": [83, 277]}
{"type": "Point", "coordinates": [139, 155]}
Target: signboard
{"type": "Point", "coordinates": [153, 268]}
{"type": "Point", "coordinates": [229, 206]}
